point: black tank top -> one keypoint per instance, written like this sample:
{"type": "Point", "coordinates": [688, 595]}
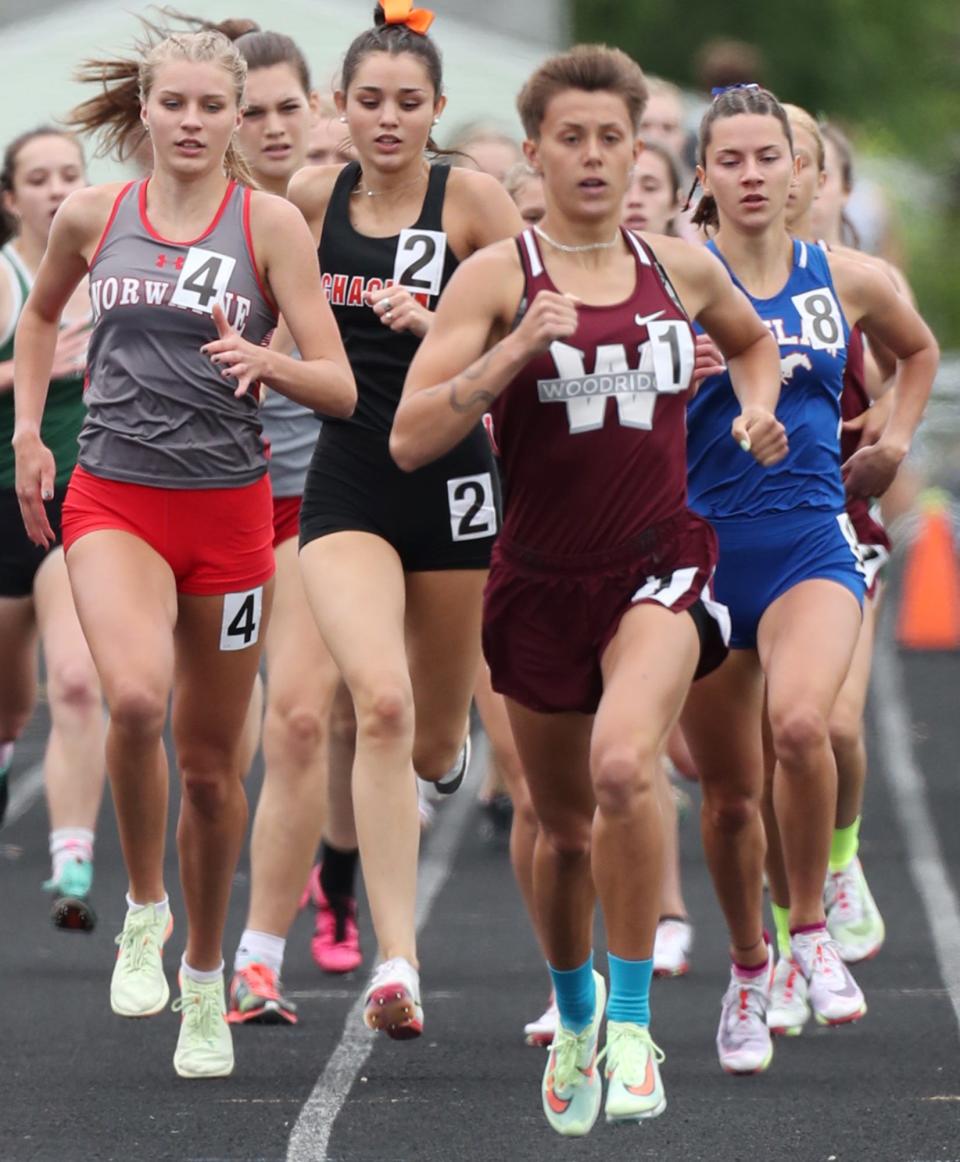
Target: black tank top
{"type": "Point", "coordinates": [352, 264]}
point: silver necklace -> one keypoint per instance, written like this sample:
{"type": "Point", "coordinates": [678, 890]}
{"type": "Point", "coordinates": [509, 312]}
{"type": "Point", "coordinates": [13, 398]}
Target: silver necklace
{"type": "Point", "coordinates": [395, 189]}
{"type": "Point", "coordinates": [576, 249]}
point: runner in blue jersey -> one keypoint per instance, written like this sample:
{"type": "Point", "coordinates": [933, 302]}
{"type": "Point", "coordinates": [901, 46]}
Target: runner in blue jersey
{"type": "Point", "coordinates": [789, 571]}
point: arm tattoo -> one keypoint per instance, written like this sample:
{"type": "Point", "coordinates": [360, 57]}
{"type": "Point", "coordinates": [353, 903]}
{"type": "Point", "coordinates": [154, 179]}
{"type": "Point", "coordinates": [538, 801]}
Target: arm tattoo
{"type": "Point", "coordinates": [467, 403]}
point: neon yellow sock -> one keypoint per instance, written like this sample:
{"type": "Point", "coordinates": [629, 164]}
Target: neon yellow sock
{"type": "Point", "coordinates": [781, 921]}
{"type": "Point", "coordinates": [844, 845]}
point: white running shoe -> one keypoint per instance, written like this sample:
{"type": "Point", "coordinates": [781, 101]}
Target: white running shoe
{"type": "Point", "coordinates": [425, 808]}
{"type": "Point", "coordinates": [541, 1031]}
{"type": "Point", "coordinates": [744, 1044]}
{"type": "Point", "coordinates": [853, 918]}
{"type": "Point", "coordinates": [835, 997]}
{"type": "Point", "coordinates": [572, 1090]}
{"type": "Point", "coordinates": [392, 1001]}
{"type": "Point", "coordinates": [205, 1043]}
{"type": "Point", "coordinates": [788, 1010]}
{"type": "Point", "coordinates": [671, 947]}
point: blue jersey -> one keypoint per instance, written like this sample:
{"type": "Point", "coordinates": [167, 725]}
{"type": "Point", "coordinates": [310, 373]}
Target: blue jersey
{"type": "Point", "coordinates": [806, 320]}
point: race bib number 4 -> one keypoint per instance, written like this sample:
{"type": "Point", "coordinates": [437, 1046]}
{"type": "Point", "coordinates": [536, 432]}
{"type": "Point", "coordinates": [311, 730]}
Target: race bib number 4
{"type": "Point", "coordinates": [203, 280]}
{"type": "Point", "coordinates": [240, 625]}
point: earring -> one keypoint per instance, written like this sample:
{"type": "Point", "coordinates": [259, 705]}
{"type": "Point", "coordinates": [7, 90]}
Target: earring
{"type": "Point", "coordinates": [343, 118]}
{"type": "Point", "coordinates": [436, 120]}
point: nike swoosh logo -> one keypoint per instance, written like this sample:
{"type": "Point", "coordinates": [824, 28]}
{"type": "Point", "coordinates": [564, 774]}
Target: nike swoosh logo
{"type": "Point", "coordinates": [643, 320]}
{"type": "Point", "coordinates": [559, 1105]}
{"type": "Point", "coordinates": [649, 1083]}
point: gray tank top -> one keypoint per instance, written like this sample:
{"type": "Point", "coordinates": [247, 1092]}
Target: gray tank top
{"type": "Point", "coordinates": [158, 411]}
{"type": "Point", "coordinates": [292, 431]}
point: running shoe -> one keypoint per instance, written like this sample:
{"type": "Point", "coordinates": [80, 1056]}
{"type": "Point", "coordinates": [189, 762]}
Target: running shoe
{"type": "Point", "coordinates": [541, 1031]}
{"type": "Point", "coordinates": [453, 779]}
{"type": "Point", "coordinates": [572, 1089]}
{"type": "Point", "coordinates": [336, 938]}
{"type": "Point", "coordinates": [835, 997]}
{"type": "Point", "coordinates": [138, 987]}
{"type": "Point", "coordinates": [205, 1044]}
{"type": "Point", "coordinates": [744, 1044]}
{"type": "Point", "coordinates": [671, 947]}
{"type": "Point", "coordinates": [634, 1087]}
{"type": "Point", "coordinates": [853, 918]}
{"type": "Point", "coordinates": [71, 909]}
{"type": "Point", "coordinates": [256, 998]}
{"type": "Point", "coordinates": [788, 1010]}
{"type": "Point", "coordinates": [392, 1001]}
{"type": "Point", "coordinates": [496, 819]}
{"type": "Point", "coordinates": [426, 810]}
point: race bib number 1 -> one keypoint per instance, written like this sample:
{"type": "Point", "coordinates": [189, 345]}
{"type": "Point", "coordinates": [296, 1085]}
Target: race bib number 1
{"type": "Point", "coordinates": [203, 280]}
{"type": "Point", "coordinates": [240, 626]}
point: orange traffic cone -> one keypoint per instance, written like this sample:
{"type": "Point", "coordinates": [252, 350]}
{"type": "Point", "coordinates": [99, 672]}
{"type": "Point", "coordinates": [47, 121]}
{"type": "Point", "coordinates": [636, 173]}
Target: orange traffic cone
{"type": "Point", "coordinates": [930, 604]}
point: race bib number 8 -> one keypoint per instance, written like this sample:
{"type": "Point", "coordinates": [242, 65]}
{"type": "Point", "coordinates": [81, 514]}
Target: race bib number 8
{"type": "Point", "coordinates": [473, 509]}
{"type": "Point", "coordinates": [419, 263]}
{"type": "Point", "coordinates": [240, 626]}
{"type": "Point", "coordinates": [820, 319]}
{"type": "Point", "coordinates": [203, 280]}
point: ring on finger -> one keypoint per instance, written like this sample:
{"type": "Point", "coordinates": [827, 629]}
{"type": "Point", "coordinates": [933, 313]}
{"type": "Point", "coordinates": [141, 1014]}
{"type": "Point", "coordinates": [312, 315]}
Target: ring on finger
{"type": "Point", "coordinates": [388, 316]}
{"type": "Point", "coordinates": [386, 306]}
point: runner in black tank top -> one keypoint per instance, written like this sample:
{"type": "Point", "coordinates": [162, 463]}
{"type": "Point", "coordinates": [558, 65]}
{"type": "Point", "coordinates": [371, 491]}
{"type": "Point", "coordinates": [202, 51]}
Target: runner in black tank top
{"type": "Point", "coordinates": [395, 562]}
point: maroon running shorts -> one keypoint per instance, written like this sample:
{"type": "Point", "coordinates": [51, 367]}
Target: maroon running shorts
{"type": "Point", "coordinates": [548, 621]}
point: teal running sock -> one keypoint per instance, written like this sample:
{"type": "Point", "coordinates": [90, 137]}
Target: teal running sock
{"type": "Point", "coordinates": [629, 990]}
{"type": "Point", "coordinates": [844, 845]}
{"type": "Point", "coordinates": [781, 921]}
{"type": "Point", "coordinates": [576, 994]}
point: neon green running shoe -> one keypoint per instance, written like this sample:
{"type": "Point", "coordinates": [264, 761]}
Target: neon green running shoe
{"type": "Point", "coordinates": [634, 1087]}
{"type": "Point", "coordinates": [71, 909]}
{"type": "Point", "coordinates": [205, 1044]}
{"type": "Point", "coordinates": [138, 987]}
{"type": "Point", "coordinates": [572, 1089]}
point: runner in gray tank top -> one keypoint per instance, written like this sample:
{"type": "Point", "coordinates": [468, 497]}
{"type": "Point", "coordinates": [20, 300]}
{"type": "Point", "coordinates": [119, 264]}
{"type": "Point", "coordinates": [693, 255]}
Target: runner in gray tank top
{"type": "Point", "coordinates": [168, 519]}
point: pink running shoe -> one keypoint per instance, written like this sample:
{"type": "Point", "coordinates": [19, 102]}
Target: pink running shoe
{"type": "Point", "coordinates": [336, 940]}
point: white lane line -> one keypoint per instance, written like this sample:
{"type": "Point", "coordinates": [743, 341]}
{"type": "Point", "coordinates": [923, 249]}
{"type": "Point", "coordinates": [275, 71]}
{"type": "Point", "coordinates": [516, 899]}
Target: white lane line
{"type": "Point", "coordinates": [310, 1137]}
{"type": "Point", "coordinates": [924, 855]}
{"type": "Point", "coordinates": [25, 790]}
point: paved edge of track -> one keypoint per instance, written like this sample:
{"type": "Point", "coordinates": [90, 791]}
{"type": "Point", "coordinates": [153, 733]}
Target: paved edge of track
{"type": "Point", "coordinates": [908, 790]}
{"type": "Point", "coordinates": [310, 1136]}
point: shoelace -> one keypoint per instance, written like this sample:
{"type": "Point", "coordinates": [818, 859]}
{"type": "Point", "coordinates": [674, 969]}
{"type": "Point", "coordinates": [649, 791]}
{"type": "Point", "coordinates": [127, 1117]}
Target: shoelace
{"type": "Point", "coordinates": [843, 895]}
{"type": "Point", "coordinates": [626, 1052]}
{"type": "Point", "coordinates": [750, 1003]}
{"type": "Point", "coordinates": [135, 942]}
{"type": "Point", "coordinates": [201, 1012]}
{"type": "Point", "coordinates": [567, 1050]}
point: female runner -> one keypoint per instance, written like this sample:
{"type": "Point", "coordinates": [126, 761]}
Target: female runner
{"type": "Point", "coordinates": [598, 613]}
{"type": "Point", "coordinates": [167, 521]}
{"type": "Point", "coordinates": [789, 570]}
{"type": "Point", "coordinates": [40, 169]}
{"type": "Point", "coordinates": [394, 564]}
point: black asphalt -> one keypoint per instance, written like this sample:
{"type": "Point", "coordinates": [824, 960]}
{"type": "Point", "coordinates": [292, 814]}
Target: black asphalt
{"type": "Point", "coordinates": [79, 1084]}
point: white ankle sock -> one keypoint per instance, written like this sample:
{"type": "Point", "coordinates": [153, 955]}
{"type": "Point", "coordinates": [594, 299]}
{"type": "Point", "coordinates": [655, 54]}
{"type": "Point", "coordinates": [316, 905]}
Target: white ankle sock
{"type": "Point", "coordinates": [160, 905]}
{"type": "Point", "coordinates": [260, 948]}
{"type": "Point", "coordinates": [69, 843]}
{"type": "Point", "coordinates": [198, 977]}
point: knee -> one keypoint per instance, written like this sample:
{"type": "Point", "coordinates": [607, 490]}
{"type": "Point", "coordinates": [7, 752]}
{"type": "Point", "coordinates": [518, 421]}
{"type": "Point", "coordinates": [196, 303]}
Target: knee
{"type": "Point", "coordinates": [435, 751]}
{"type": "Point", "coordinates": [74, 686]}
{"type": "Point", "coordinates": [138, 709]}
{"type": "Point", "coordinates": [798, 733]}
{"type": "Point", "coordinates": [846, 730]}
{"type": "Point", "coordinates": [731, 813]}
{"type": "Point", "coordinates": [622, 777]}
{"type": "Point", "coordinates": [385, 712]}
{"type": "Point", "coordinates": [567, 839]}
{"type": "Point", "coordinates": [207, 777]}
{"type": "Point", "coordinates": [297, 728]}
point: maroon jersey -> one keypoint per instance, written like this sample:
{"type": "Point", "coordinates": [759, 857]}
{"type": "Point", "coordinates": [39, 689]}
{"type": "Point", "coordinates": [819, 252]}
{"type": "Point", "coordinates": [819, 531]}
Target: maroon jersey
{"type": "Point", "coordinates": [853, 403]}
{"type": "Point", "coordinates": [592, 434]}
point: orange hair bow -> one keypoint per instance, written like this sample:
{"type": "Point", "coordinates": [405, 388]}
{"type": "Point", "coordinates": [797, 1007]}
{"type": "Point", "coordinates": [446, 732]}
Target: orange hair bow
{"type": "Point", "coordinates": [402, 12]}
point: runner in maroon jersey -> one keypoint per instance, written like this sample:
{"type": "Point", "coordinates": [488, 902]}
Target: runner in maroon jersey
{"type": "Point", "coordinates": [598, 612]}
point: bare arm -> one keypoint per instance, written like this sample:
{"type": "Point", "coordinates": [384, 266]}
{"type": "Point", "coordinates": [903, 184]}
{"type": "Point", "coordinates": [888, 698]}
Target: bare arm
{"type": "Point", "coordinates": [885, 316]}
{"type": "Point", "coordinates": [470, 356]}
{"type": "Point", "coordinates": [321, 378]}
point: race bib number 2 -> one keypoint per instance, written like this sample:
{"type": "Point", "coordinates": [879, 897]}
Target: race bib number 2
{"type": "Point", "coordinates": [419, 262]}
{"type": "Point", "coordinates": [240, 625]}
{"type": "Point", "coordinates": [203, 280]}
